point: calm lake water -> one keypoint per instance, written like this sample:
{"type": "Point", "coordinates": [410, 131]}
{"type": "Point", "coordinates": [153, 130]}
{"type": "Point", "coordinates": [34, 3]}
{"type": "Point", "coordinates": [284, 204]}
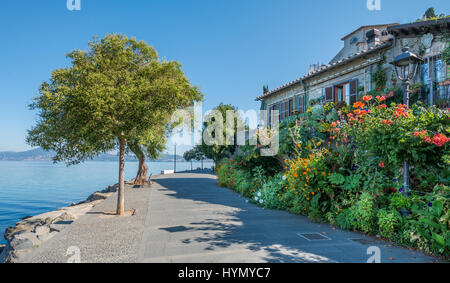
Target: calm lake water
{"type": "Point", "coordinates": [32, 188]}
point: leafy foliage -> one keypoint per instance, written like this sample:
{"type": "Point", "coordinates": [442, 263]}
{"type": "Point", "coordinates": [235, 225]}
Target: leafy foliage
{"type": "Point", "coordinates": [345, 169]}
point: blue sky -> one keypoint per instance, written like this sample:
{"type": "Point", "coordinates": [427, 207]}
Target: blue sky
{"type": "Point", "coordinates": [228, 48]}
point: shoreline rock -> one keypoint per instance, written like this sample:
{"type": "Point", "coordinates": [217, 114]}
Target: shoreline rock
{"type": "Point", "coordinates": [32, 231]}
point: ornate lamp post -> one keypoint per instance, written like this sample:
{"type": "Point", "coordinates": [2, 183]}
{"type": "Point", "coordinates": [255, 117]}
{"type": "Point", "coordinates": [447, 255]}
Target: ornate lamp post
{"type": "Point", "coordinates": [406, 66]}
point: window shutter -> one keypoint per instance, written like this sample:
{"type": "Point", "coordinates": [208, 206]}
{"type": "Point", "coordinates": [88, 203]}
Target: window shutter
{"type": "Point", "coordinates": [291, 108]}
{"type": "Point", "coordinates": [328, 94]}
{"type": "Point", "coordinates": [353, 91]}
{"type": "Point", "coordinates": [282, 111]}
{"type": "Point", "coordinates": [300, 103]}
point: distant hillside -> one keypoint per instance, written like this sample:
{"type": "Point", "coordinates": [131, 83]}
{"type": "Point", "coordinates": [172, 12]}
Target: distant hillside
{"type": "Point", "coordinates": [39, 154]}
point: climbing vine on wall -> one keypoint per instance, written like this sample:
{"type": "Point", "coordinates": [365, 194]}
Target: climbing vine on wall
{"type": "Point", "coordinates": [380, 76]}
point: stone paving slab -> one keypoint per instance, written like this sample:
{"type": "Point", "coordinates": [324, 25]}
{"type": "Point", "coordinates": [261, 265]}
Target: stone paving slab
{"type": "Point", "coordinates": [192, 219]}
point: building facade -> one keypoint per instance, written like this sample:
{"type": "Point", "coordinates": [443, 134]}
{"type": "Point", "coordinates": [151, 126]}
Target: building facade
{"type": "Point", "coordinates": [351, 72]}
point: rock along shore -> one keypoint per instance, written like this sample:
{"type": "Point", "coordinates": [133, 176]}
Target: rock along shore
{"type": "Point", "coordinates": [31, 232]}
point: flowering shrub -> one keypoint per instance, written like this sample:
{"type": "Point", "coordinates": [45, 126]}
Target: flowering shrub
{"type": "Point", "coordinates": [344, 167]}
{"type": "Point", "coordinates": [306, 179]}
{"type": "Point", "coordinates": [395, 134]}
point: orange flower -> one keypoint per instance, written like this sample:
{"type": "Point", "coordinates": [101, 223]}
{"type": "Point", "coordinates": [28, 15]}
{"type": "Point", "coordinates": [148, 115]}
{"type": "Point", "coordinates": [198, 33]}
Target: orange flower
{"type": "Point", "coordinates": [382, 106]}
{"type": "Point", "coordinates": [367, 98]}
{"type": "Point", "coordinates": [359, 104]}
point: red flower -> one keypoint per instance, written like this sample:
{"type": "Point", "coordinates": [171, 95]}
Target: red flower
{"type": "Point", "coordinates": [382, 106]}
{"type": "Point", "coordinates": [381, 98]}
{"type": "Point", "coordinates": [440, 140]}
{"type": "Point", "coordinates": [381, 164]}
{"type": "Point", "coordinates": [367, 98]}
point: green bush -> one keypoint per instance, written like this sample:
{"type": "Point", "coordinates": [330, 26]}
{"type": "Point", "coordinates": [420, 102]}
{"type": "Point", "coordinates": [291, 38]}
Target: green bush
{"type": "Point", "coordinates": [388, 221]}
{"type": "Point", "coordinates": [270, 191]}
{"type": "Point", "coordinates": [347, 171]}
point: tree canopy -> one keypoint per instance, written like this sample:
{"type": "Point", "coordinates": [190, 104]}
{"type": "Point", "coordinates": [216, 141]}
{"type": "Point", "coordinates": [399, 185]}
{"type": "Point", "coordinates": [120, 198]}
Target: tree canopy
{"type": "Point", "coordinates": [117, 93]}
{"type": "Point", "coordinates": [218, 151]}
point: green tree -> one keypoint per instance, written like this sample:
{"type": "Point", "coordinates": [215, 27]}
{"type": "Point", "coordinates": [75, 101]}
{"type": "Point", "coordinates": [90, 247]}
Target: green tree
{"type": "Point", "coordinates": [217, 152]}
{"type": "Point", "coordinates": [115, 95]}
{"type": "Point", "coordinates": [194, 154]}
{"type": "Point", "coordinates": [151, 145]}
{"type": "Point", "coordinates": [430, 13]}
{"type": "Point", "coordinates": [189, 156]}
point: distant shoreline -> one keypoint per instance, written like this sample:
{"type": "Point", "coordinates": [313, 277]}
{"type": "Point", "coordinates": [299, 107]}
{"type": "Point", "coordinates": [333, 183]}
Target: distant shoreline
{"type": "Point", "coordinates": [39, 154]}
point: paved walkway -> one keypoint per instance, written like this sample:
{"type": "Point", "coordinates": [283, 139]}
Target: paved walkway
{"type": "Point", "coordinates": [188, 218]}
{"type": "Point", "coordinates": [192, 219]}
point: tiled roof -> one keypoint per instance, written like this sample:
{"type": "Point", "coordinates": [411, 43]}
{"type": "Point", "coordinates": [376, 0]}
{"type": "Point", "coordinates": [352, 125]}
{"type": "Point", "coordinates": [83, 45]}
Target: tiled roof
{"type": "Point", "coordinates": [369, 27]}
{"type": "Point", "coordinates": [327, 67]}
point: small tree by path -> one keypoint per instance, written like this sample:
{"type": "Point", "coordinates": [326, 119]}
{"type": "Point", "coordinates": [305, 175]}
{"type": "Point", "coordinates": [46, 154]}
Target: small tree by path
{"type": "Point", "coordinates": [189, 156]}
{"type": "Point", "coordinates": [194, 154]}
{"type": "Point", "coordinates": [115, 96]}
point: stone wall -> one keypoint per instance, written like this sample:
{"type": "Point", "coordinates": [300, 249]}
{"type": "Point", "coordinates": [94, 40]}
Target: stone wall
{"type": "Point", "coordinates": [361, 68]}
{"type": "Point", "coordinates": [31, 232]}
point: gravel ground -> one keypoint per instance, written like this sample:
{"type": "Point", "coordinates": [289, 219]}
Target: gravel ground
{"type": "Point", "coordinates": [99, 238]}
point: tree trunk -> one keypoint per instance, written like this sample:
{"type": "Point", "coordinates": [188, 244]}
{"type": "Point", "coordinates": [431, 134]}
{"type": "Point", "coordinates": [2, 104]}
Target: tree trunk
{"type": "Point", "coordinates": [121, 192]}
{"type": "Point", "coordinates": [141, 176]}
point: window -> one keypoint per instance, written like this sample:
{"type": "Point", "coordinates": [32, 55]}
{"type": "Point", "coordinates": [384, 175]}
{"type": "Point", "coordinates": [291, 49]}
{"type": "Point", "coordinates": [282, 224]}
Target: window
{"type": "Point", "coordinates": [272, 114]}
{"type": "Point", "coordinates": [329, 94]}
{"type": "Point", "coordinates": [432, 72]}
{"type": "Point", "coordinates": [353, 91]}
{"type": "Point", "coordinates": [286, 109]}
{"type": "Point", "coordinates": [347, 93]}
{"type": "Point", "coordinates": [299, 104]}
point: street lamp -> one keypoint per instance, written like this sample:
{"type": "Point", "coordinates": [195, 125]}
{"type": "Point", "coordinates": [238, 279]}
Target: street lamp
{"type": "Point", "coordinates": [406, 66]}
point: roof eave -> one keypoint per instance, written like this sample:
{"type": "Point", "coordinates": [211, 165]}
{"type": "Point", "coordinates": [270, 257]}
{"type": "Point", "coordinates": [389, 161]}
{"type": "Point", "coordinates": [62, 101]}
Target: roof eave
{"type": "Point", "coordinates": [332, 66]}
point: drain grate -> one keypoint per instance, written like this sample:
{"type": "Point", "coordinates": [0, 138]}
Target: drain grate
{"type": "Point", "coordinates": [363, 241]}
{"type": "Point", "coordinates": [313, 236]}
